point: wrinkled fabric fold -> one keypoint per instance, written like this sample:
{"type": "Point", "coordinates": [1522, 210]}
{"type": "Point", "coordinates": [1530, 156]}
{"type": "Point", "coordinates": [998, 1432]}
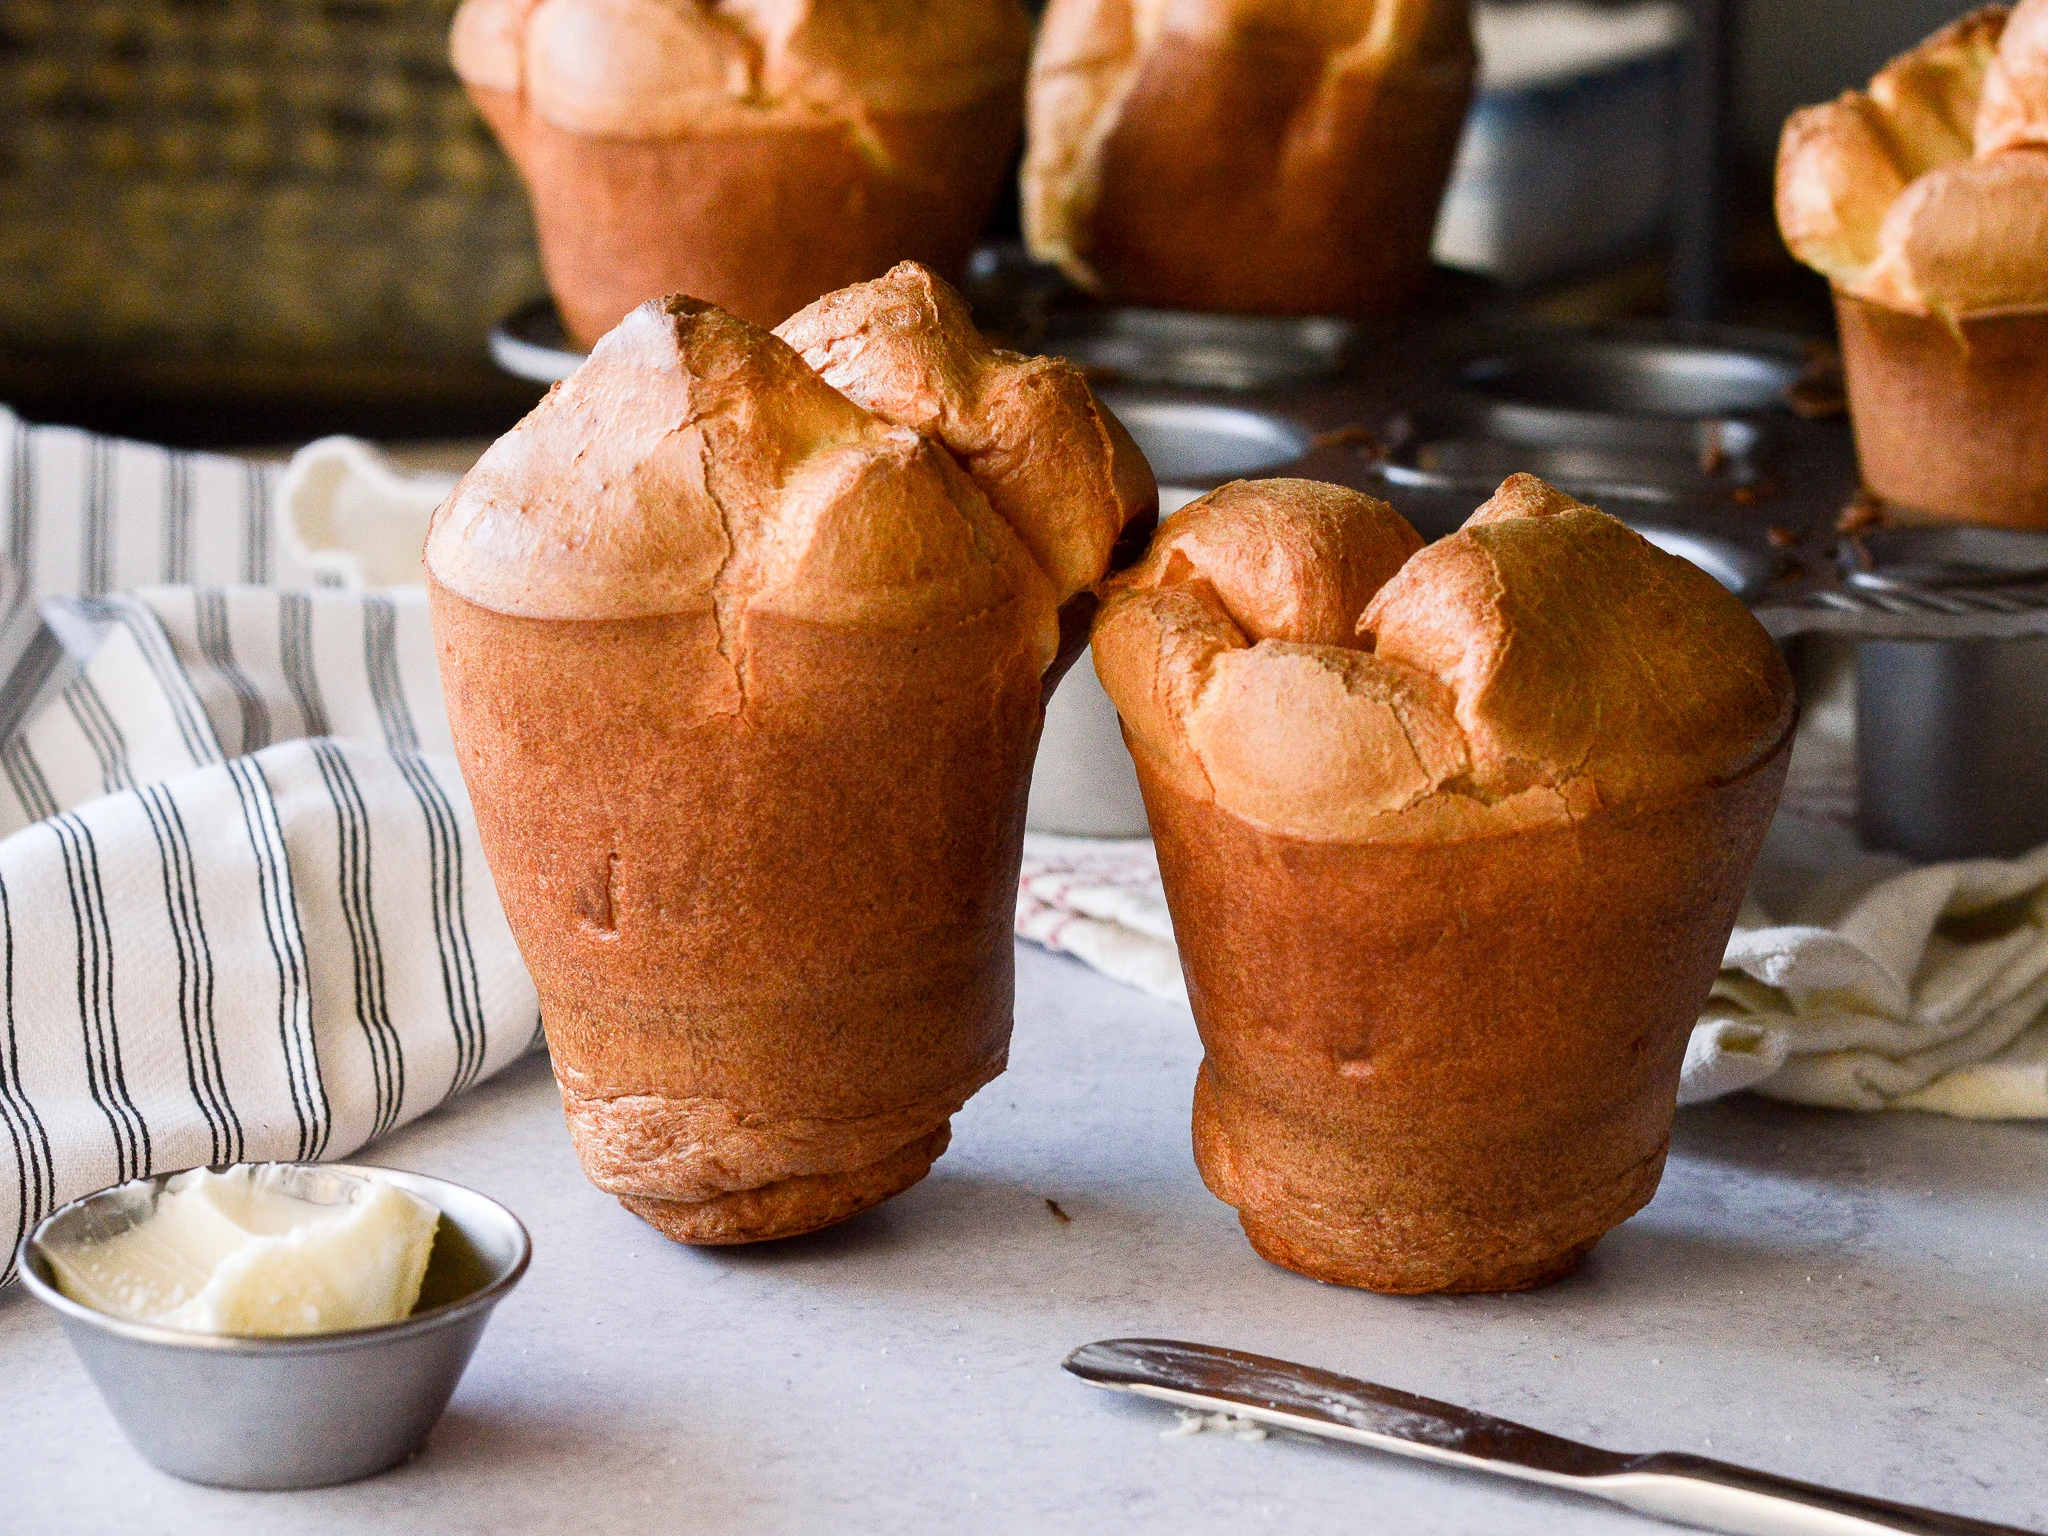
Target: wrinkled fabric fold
{"type": "Point", "coordinates": [243, 913]}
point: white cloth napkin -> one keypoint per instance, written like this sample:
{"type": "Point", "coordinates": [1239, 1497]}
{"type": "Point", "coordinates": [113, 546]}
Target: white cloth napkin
{"type": "Point", "coordinates": [1882, 985]}
{"type": "Point", "coordinates": [1859, 982]}
{"type": "Point", "coordinates": [354, 519]}
{"type": "Point", "coordinates": [243, 913]}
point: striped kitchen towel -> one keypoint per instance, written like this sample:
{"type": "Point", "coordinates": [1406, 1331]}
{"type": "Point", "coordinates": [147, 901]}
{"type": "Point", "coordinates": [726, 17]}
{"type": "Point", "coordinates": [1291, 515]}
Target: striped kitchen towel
{"type": "Point", "coordinates": [243, 913]}
{"type": "Point", "coordinates": [90, 514]}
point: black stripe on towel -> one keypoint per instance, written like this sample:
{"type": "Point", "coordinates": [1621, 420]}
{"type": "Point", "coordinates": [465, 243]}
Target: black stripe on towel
{"type": "Point", "coordinates": [104, 1076]}
{"type": "Point", "coordinates": [444, 841]}
{"type": "Point", "coordinates": [280, 908]}
{"type": "Point", "coordinates": [35, 1167]}
{"type": "Point", "coordinates": [295, 628]}
{"type": "Point", "coordinates": [23, 688]}
{"type": "Point", "coordinates": [203, 1070]}
{"type": "Point", "coordinates": [187, 712]}
{"type": "Point", "coordinates": [21, 519]}
{"type": "Point", "coordinates": [177, 534]}
{"type": "Point", "coordinates": [217, 645]}
{"type": "Point", "coordinates": [102, 733]}
{"type": "Point", "coordinates": [96, 557]}
{"type": "Point", "coordinates": [359, 915]}
{"type": "Point", "coordinates": [256, 493]}
{"type": "Point", "coordinates": [25, 778]}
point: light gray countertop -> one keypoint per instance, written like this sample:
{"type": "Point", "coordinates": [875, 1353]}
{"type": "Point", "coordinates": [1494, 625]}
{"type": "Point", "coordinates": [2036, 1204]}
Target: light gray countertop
{"type": "Point", "coordinates": [1853, 1300]}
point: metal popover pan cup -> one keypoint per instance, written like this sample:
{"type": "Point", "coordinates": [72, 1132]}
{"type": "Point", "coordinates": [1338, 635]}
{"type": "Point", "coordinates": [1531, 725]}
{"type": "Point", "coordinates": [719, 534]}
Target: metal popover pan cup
{"type": "Point", "coordinates": [295, 1412]}
{"type": "Point", "coordinates": [1951, 735]}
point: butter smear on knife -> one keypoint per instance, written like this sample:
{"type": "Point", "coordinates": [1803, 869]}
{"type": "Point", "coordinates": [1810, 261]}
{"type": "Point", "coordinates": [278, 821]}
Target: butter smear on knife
{"type": "Point", "coordinates": [245, 1252]}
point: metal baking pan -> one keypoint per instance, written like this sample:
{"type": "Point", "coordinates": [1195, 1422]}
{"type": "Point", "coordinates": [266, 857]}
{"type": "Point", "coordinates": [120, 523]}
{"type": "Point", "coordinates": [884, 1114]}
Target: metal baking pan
{"type": "Point", "coordinates": [1593, 381]}
{"type": "Point", "coordinates": [1152, 346]}
{"type": "Point", "coordinates": [1952, 735]}
{"type": "Point", "coordinates": [1203, 443]}
{"type": "Point", "coordinates": [1608, 419]}
{"type": "Point", "coordinates": [1114, 346]}
{"type": "Point", "coordinates": [1930, 583]}
{"type": "Point", "coordinates": [530, 344]}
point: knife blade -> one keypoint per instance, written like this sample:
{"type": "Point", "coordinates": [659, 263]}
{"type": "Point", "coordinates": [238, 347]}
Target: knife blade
{"type": "Point", "coordinates": [1685, 1489]}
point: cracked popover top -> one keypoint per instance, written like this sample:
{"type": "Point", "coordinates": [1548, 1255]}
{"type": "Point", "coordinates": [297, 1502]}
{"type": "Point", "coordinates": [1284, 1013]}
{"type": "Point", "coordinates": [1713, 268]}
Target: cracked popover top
{"type": "Point", "coordinates": [1292, 652]}
{"type": "Point", "coordinates": [1928, 192]}
{"type": "Point", "coordinates": [896, 474]}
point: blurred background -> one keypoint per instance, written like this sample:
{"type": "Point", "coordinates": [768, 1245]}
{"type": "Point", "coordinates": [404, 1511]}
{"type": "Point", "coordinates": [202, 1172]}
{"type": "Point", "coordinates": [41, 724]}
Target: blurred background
{"type": "Point", "coordinates": [246, 222]}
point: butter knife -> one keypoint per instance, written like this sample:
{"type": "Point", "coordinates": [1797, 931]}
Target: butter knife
{"type": "Point", "coordinates": [1690, 1490]}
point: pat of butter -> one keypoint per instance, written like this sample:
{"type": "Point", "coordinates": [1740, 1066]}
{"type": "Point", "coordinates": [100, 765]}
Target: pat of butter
{"type": "Point", "coordinates": [246, 1251]}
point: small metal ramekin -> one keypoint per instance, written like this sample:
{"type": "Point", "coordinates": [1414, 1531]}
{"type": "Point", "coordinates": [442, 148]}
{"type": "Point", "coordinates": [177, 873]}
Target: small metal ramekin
{"type": "Point", "coordinates": [302, 1411]}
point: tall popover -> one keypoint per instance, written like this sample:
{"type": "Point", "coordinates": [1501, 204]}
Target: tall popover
{"type": "Point", "coordinates": [1453, 838]}
{"type": "Point", "coordinates": [746, 680]}
{"type": "Point", "coordinates": [1924, 201]}
{"type": "Point", "coordinates": [1263, 156]}
{"type": "Point", "coordinates": [754, 153]}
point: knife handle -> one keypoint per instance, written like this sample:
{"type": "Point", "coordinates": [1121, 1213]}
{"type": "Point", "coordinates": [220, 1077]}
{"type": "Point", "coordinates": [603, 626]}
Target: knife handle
{"type": "Point", "coordinates": [1697, 1490]}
